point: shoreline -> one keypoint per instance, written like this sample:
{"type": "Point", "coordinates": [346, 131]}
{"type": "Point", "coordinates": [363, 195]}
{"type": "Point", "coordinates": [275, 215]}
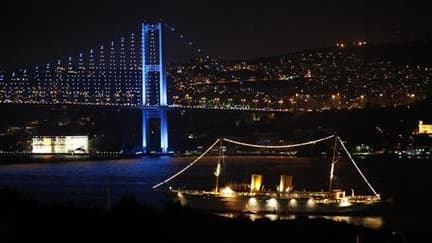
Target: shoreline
{"type": "Point", "coordinates": [7, 159]}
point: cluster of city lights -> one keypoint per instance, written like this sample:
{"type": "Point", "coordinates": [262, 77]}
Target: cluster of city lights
{"type": "Point", "coordinates": [305, 81]}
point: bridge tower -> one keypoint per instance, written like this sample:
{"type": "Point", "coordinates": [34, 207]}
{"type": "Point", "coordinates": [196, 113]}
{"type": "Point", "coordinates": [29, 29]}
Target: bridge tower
{"type": "Point", "coordinates": [154, 84]}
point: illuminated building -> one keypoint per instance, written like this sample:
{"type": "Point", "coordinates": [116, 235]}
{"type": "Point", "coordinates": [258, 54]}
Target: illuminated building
{"type": "Point", "coordinates": [60, 145]}
{"type": "Point", "coordinates": [424, 128]}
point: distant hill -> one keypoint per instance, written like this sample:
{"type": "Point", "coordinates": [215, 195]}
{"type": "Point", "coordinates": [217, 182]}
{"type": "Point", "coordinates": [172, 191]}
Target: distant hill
{"type": "Point", "coordinates": [412, 53]}
{"type": "Point", "coordinates": [352, 76]}
{"type": "Point", "coordinates": [397, 52]}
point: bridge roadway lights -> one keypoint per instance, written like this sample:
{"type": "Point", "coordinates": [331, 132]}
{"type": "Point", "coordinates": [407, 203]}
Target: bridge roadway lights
{"type": "Point", "coordinates": [161, 115]}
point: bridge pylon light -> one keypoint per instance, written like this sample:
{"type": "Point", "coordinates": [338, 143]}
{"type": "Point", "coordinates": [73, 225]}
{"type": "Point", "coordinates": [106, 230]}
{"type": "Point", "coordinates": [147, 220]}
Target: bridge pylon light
{"type": "Point", "coordinates": [154, 80]}
{"type": "Point", "coordinates": [154, 83]}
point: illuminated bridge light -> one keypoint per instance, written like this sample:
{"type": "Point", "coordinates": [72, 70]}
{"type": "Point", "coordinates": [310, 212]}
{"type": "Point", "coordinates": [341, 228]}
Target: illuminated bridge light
{"type": "Point", "coordinates": [154, 82]}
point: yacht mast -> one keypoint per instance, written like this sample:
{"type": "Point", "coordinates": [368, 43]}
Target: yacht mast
{"type": "Point", "coordinates": [333, 162]}
{"type": "Point", "coordinates": [218, 167]}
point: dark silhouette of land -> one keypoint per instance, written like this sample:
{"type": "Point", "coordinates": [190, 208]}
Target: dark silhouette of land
{"type": "Point", "coordinates": [24, 220]}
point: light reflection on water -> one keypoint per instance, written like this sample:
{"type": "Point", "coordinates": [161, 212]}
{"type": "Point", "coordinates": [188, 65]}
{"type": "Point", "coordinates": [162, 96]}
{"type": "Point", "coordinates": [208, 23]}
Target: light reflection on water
{"type": "Point", "coordinates": [372, 222]}
{"type": "Point", "coordinates": [85, 183]}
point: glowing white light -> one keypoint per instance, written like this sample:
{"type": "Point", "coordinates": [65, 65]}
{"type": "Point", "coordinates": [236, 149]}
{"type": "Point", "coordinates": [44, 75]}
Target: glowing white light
{"type": "Point", "coordinates": [344, 202]}
{"type": "Point", "coordinates": [218, 170]}
{"type": "Point", "coordinates": [272, 217]}
{"type": "Point", "coordinates": [227, 191]}
{"type": "Point", "coordinates": [182, 199]}
{"type": "Point", "coordinates": [272, 203]}
{"type": "Point", "coordinates": [252, 202]}
{"type": "Point", "coordinates": [310, 203]}
{"type": "Point", "coordinates": [293, 202]}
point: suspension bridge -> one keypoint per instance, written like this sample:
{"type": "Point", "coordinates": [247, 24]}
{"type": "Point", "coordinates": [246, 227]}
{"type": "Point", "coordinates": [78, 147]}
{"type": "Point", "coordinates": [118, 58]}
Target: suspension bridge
{"type": "Point", "coordinates": [129, 73]}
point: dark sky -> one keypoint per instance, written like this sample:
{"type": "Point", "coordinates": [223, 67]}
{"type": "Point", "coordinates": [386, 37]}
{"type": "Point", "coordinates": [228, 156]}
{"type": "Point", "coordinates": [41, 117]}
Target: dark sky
{"type": "Point", "coordinates": [40, 31]}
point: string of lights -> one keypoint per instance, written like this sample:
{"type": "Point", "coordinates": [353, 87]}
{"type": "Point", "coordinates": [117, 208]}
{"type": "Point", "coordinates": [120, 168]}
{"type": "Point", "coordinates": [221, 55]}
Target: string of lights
{"type": "Point", "coordinates": [199, 51]}
{"type": "Point", "coordinates": [270, 147]}
{"type": "Point", "coordinates": [187, 167]}
{"type": "Point", "coordinates": [358, 169]}
{"type": "Point", "coordinates": [182, 37]}
{"type": "Point", "coordinates": [278, 146]}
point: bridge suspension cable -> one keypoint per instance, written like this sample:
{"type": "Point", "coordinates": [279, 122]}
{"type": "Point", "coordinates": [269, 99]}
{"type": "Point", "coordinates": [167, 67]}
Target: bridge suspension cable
{"type": "Point", "coordinates": [357, 168]}
{"type": "Point", "coordinates": [187, 42]}
{"type": "Point", "coordinates": [278, 146]}
{"type": "Point", "coordinates": [200, 51]}
{"type": "Point", "coordinates": [187, 167]}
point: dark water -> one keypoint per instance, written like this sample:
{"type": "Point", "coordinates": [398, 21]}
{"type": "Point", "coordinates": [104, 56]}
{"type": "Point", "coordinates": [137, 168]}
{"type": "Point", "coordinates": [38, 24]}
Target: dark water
{"type": "Point", "coordinates": [405, 182]}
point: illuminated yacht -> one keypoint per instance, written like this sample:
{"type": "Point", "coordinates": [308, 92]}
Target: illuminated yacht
{"type": "Point", "coordinates": [256, 197]}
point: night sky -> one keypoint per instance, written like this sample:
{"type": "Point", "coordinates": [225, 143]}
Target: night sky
{"type": "Point", "coordinates": [34, 32]}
